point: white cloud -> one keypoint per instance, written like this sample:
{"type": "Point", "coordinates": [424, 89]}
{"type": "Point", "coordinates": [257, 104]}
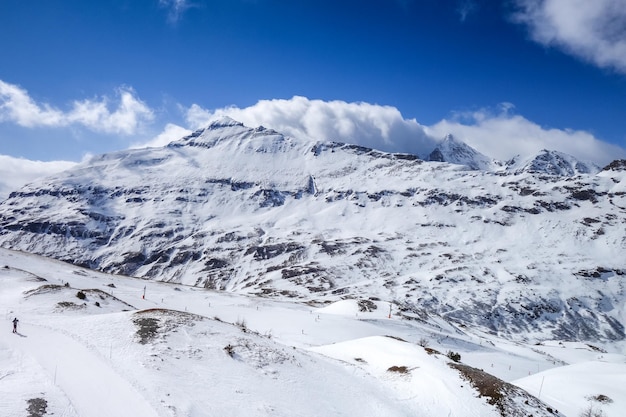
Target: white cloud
{"type": "Point", "coordinates": [170, 133]}
{"type": "Point", "coordinates": [130, 114]}
{"type": "Point", "coordinates": [127, 118]}
{"type": "Point", "coordinates": [17, 106]}
{"type": "Point", "coordinates": [371, 125]}
{"type": "Point", "coordinates": [465, 8]}
{"type": "Point", "coordinates": [500, 134]}
{"type": "Point", "coordinates": [16, 172]}
{"type": "Point", "coordinates": [594, 30]}
{"type": "Point", "coordinates": [175, 8]}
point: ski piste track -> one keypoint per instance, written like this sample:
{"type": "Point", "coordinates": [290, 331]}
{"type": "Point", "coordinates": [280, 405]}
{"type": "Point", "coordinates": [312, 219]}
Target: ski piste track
{"type": "Point", "coordinates": [56, 353]}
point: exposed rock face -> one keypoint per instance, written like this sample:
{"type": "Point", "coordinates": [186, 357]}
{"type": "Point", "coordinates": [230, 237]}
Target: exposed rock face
{"type": "Point", "coordinates": [516, 252]}
{"type": "Point", "coordinates": [617, 165]}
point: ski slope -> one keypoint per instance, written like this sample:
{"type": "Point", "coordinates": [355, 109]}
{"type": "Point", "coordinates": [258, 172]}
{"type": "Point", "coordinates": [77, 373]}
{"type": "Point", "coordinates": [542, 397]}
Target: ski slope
{"type": "Point", "coordinates": [220, 354]}
{"type": "Point", "coordinates": [78, 372]}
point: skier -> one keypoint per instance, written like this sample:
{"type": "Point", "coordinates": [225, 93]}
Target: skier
{"type": "Point", "coordinates": [15, 320]}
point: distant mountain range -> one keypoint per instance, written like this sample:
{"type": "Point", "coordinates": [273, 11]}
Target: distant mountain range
{"type": "Point", "coordinates": [530, 248]}
{"type": "Point", "coordinates": [547, 162]}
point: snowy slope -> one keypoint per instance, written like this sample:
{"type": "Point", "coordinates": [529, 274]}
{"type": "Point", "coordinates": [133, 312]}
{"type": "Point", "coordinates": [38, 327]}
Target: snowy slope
{"type": "Point", "coordinates": [597, 383]}
{"type": "Point", "coordinates": [250, 211]}
{"type": "Point", "coordinates": [184, 351]}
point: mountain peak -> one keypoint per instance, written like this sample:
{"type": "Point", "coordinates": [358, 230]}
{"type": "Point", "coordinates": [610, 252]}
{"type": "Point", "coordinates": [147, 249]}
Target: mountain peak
{"type": "Point", "coordinates": [450, 138]}
{"type": "Point", "coordinates": [552, 163]}
{"type": "Point", "coordinates": [455, 151]}
{"type": "Point", "coordinates": [224, 121]}
{"type": "Point", "coordinates": [218, 130]}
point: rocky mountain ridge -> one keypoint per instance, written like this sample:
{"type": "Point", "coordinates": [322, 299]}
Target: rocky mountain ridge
{"type": "Point", "coordinates": [455, 151]}
{"type": "Point", "coordinates": [523, 253]}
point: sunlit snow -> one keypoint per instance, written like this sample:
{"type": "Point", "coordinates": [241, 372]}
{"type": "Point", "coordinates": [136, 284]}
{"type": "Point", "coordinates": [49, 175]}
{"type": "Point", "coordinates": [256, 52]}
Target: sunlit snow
{"type": "Point", "coordinates": [219, 354]}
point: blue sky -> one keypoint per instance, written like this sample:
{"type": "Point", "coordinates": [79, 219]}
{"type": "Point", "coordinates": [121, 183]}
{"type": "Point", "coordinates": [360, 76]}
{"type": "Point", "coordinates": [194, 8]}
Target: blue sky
{"type": "Point", "coordinates": [508, 77]}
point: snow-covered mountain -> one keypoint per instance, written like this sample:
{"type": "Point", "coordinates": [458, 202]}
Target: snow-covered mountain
{"type": "Point", "coordinates": [458, 152]}
{"type": "Point", "coordinates": [455, 151]}
{"type": "Point", "coordinates": [251, 211]}
{"type": "Point", "coordinates": [551, 163]}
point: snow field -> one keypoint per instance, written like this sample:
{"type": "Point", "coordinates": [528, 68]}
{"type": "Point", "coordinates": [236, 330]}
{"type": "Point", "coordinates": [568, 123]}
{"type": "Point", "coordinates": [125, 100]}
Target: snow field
{"type": "Point", "coordinates": [230, 355]}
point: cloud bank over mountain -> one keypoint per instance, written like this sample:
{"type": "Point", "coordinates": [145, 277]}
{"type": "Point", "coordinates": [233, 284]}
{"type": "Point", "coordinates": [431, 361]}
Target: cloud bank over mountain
{"type": "Point", "coordinates": [502, 134]}
{"type": "Point", "coordinates": [170, 133]}
{"type": "Point", "coordinates": [15, 172]}
{"type": "Point", "coordinates": [371, 125]}
{"type": "Point", "coordinates": [498, 133]}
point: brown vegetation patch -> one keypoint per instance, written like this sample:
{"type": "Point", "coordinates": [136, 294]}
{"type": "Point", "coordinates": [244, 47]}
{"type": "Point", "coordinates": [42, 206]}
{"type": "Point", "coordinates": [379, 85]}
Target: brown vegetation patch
{"type": "Point", "coordinates": [487, 385]}
{"type": "Point", "coordinates": [68, 305]}
{"type": "Point", "coordinates": [396, 338]}
{"type": "Point", "coordinates": [399, 369]}
{"type": "Point", "coordinates": [152, 322]}
{"type": "Point", "coordinates": [44, 289]}
{"type": "Point", "coordinates": [507, 398]}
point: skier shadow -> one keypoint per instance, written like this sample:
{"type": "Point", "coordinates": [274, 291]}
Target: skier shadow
{"type": "Point", "coordinates": [20, 334]}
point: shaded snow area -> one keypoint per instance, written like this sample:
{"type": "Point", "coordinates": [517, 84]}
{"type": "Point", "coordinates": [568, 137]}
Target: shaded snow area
{"type": "Point", "coordinates": [91, 344]}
